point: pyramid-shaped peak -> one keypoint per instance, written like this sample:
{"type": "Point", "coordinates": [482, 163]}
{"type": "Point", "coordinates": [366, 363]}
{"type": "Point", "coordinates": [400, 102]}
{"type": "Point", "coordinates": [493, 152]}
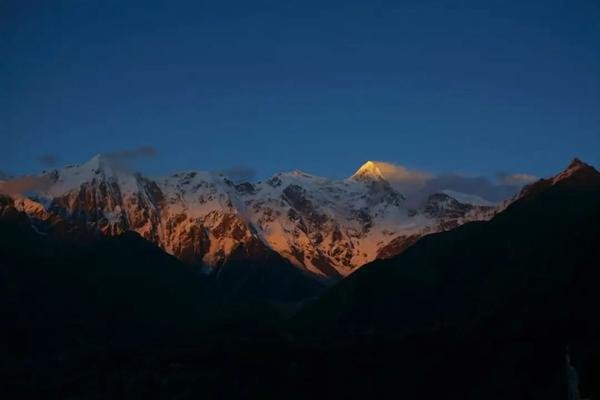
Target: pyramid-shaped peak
{"type": "Point", "coordinates": [576, 163]}
{"type": "Point", "coordinates": [369, 170]}
{"type": "Point", "coordinates": [579, 168]}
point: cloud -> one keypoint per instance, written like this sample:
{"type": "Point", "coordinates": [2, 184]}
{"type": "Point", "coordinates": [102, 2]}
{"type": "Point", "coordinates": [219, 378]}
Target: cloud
{"type": "Point", "coordinates": [398, 174]}
{"type": "Point", "coordinates": [48, 160]}
{"type": "Point", "coordinates": [240, 173]}
{"type": "Point", "coordinates": [479, 186]}
{"type": "Point", "coordinates": [406, 181]}
{"type": "Point", "coordinates": [21, 186]}
{"type": "Point", "coordinates": [519, 179]}
{"type": "Point", "coordinates": [417, 185]}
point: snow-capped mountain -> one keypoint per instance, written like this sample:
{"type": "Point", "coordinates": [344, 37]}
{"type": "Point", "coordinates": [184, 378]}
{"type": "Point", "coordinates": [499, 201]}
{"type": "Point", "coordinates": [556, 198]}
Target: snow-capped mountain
{"type": "Point", "coordinates": [323, 226]}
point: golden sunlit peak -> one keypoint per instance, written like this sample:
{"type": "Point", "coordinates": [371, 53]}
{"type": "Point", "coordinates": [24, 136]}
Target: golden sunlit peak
{"type": "Point", "coordinates": [369, 169]}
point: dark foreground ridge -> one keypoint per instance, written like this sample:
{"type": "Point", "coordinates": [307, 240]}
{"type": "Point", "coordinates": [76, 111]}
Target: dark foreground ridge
{"type": "Point", "coordinates": [484, 311]}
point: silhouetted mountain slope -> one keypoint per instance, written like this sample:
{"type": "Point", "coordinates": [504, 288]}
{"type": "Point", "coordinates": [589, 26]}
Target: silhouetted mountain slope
{"type": "Point", "coordinates": [538, 244]}
{"type": "Point", "coordinates": [256, 264]}
{"type": "Point", "coordinates": [63, 302]}
{"type": "Point", "coordinates": [497, 301]}
{"type": "Point", "coordinates": [67, 300]}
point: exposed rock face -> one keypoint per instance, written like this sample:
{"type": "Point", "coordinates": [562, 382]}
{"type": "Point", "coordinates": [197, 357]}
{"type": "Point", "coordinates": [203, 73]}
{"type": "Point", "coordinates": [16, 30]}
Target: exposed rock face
{"type": "Point", "coordinates": [451, 213]}
{"type": "Point", "coordinates": [397, 246]}
{"type": "Point", "coordinates": [325, 227]}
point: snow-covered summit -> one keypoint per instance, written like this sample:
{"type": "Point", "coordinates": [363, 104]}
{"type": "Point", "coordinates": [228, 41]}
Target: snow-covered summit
{"type": "Point", "coordinates": [369, 170]}
{"type": "Point", "coordinates": [99, 168]}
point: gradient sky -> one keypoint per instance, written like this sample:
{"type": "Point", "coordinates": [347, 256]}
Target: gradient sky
{"type": "Point", "coordinates": [474, 87]}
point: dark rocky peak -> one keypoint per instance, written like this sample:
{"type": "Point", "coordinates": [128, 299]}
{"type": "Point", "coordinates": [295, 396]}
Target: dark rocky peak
{"type": "Point", "coordinates": [440, 205]}
{"type": "Point", "coordinates": [578, 170]}
{"type": "Point", "coordinates": [577, 174]}
{"type": "Point", "coordinates": [577, 163]}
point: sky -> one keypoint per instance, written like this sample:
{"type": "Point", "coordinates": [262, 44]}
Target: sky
{"type": "Point", "coordinates": [472, 87]}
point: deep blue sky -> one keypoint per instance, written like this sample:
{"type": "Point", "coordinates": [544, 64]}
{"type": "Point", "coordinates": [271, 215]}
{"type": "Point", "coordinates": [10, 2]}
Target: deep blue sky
{"type": "Point", "coordinates": [474, 87]}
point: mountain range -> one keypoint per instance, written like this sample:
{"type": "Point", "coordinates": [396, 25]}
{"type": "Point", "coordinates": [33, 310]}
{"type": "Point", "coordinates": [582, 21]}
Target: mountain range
{"type": "Point", "coordinates": [484, 301]}
{"type": "Point", "coordinates": [326, 228]}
